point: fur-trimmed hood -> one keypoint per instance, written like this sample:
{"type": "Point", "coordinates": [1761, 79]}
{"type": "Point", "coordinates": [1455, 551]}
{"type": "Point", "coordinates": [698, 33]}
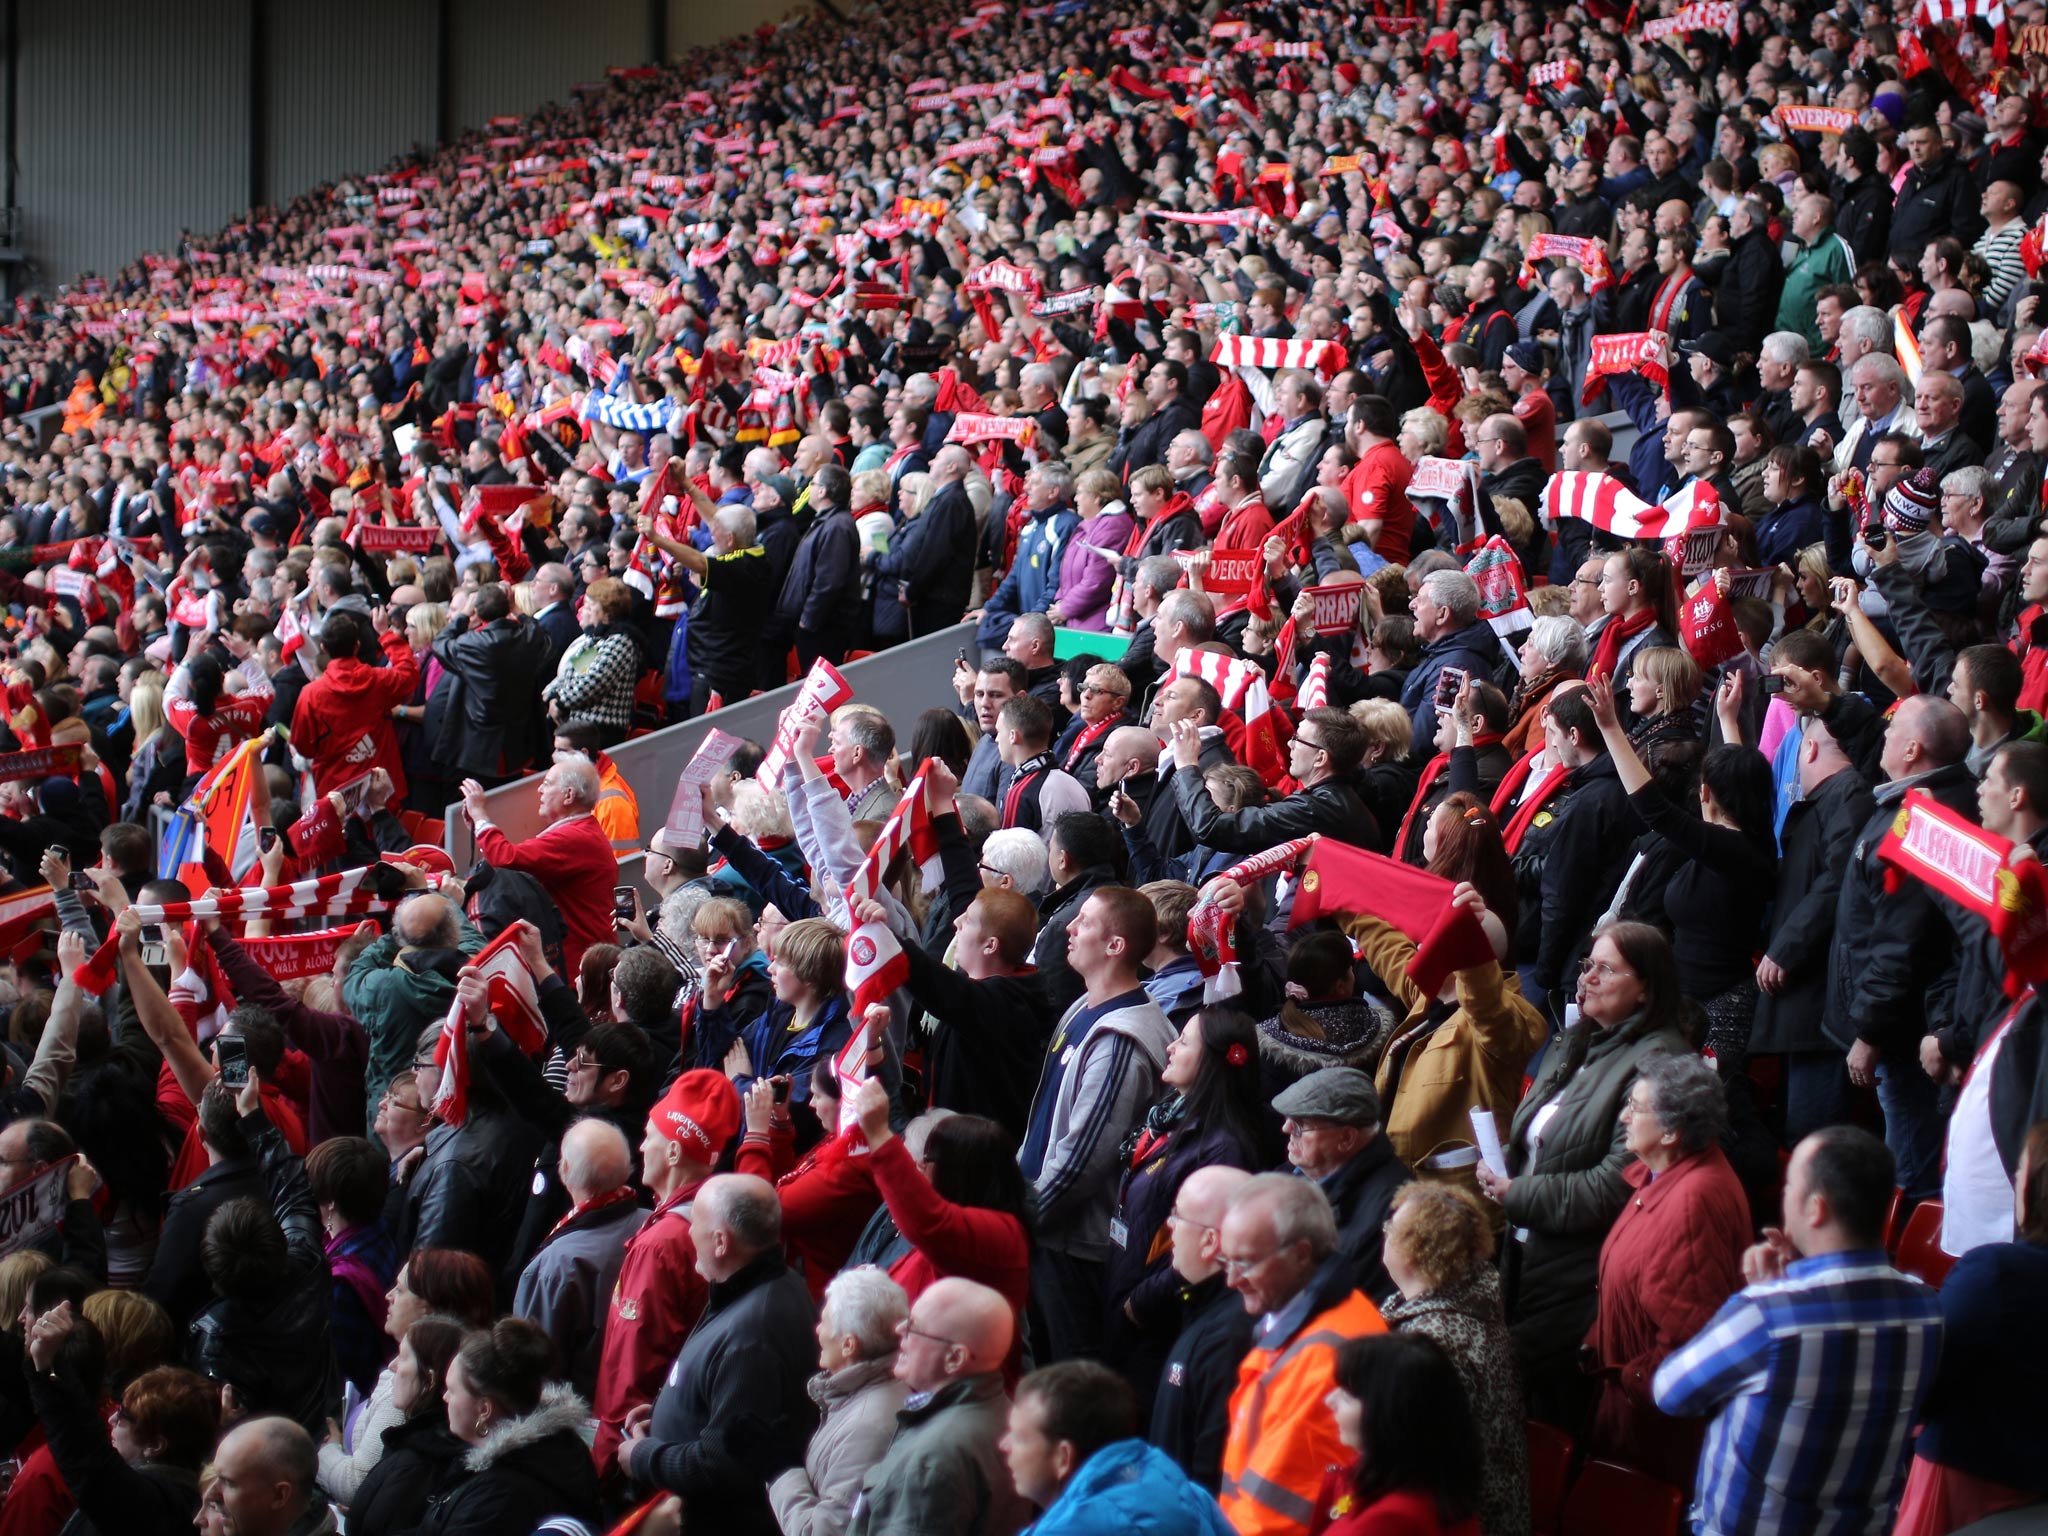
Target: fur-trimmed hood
{"type": "Point", "coordinates": [560, 1409]}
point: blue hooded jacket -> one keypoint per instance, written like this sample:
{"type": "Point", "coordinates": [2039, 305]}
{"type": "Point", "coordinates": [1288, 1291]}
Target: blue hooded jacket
{"type": "Point", "coordinates": [1131, 1489]}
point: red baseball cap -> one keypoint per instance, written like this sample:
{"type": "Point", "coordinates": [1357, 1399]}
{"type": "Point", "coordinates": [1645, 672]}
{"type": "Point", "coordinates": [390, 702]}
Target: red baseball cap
{"type": "Point", "coordinates": [700, 1113]}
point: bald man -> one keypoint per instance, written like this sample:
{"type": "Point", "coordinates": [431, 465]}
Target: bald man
{"type": "Point", "coordinates": [554, 610]}
{"type": "Point", "coordinates": [571, 856]}
{"type": "Point", "coordinates": [405, 981]}
{"type": "Point", "coordinates": [1129, 757]}
{"type": "Point", "coordinates": [265, 1469]}
{"type": "Point", "coordinates": [735, 1412]}
{"type": "Point", "coordinates": [944, 1474]}
{"type": "Point", "coordinates": [1191, 1399]}
{"type": "Point", "coordinates": [566, 1285]}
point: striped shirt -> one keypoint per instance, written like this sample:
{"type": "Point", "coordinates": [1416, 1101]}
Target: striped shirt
{"type": "Point", "coordinates": [2000, 249]}
{"type": "Point", "coordinates": [1815, 1383]}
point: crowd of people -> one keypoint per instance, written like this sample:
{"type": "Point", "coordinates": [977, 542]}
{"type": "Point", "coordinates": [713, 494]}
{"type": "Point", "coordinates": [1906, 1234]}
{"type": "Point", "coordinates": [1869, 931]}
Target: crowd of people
{"type": "Point", "coordinates": [1480, 866]}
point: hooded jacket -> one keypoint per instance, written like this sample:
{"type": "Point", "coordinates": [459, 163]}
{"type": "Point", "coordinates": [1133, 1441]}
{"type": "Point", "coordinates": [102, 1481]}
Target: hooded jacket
{"type": "Point", "coordinates": [858, 1404]}
{"type": "Point", "coordinates": [532, 1470]}
{"type": "Point", "coordinates": [342, 721]}
{"type": "Point", "coordinates": [1130, 1489]}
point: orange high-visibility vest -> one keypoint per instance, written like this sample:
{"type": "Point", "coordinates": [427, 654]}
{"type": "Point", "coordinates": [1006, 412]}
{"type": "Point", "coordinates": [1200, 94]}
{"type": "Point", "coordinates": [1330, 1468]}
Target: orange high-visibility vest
{"type": "Point", "coordinates": [1282, 1436]}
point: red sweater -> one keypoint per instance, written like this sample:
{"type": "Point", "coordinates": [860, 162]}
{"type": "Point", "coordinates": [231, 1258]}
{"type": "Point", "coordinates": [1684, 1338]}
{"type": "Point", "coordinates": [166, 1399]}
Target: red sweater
{"type": "Point", "coordinates": [1377, 491]}
{"type": "Point", "coordinates": [574, 862]}
{"type": "Point", "coordinates": [826, 1201]}
{"type": "Point", "coordinates": [654, 1305]}
{"type": "Point", "coordinates": [1400, 1513]}
{"type": "Point", "coordinates": [342, 721]}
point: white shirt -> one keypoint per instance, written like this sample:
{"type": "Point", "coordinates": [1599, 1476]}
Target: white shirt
{"type": "Point", "coordinates": [1976, 1196]}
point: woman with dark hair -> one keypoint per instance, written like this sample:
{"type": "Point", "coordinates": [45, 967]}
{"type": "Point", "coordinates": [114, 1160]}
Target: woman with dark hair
{"type": "Point", "coordinates": [1702, 872]}
{"type": "Point", "coordinates": [942, 734]}
{"type": "Point", "coordinates": [1400, 1406]}
{"type": "Point", "coordinates": [432, 1281]}
{"type": "Point", "coordinates": [1793, 485]}
{"type": "Point", "coordinates": [1566, 1151]}
{"type": "Point", "coordinates": [526, 1463]}
{"type": "Point", "coordinates": [421, 1453]}
{"type": "Point", "coordinates": [202, 709]}
{"type": "Point", "coordinates": [143, 1479]}
{"type": "Point", "coordinates": [351, 1179]}
{"type": "Point", "coordinates": [1985, 1418]}
{"type": "Point", "coordinates": [1325, 1021]}
{"type": "Point", "coordinates": [1636, 595]}
{"type": "Point", "coordinates": [1214, 1115]}
{"type": "Point", "coordinates": [1462, 844]}
{"type": "Point", "coordinates": [1673, 1256]}
{"type": "Point", "coordinates": [111, 1113]}
{"type": "Point", "coordinates": [964, 1207]}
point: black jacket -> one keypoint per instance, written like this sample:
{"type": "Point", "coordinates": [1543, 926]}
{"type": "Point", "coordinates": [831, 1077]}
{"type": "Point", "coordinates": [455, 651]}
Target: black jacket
{"type": "Point", "coordinates": [1147, 445]}
{"type": "Point", "coordinates": [821, 595]}
{"type": "Point", "coordinates": [1814, 846]}
{"type": "Point", "coordinates": [1362, 1199]}
{"type": "Point", "coordinates": [472, 1185]}
{"type": "Point", "coordinates": [1584, 859]}
{"type": "Point", "coordinates": [932, 557]}
{"type": "Point", "coordinates": [1191, 1413]}
{"type": "Point", "coordinates": [1746, 297]}
{"type": "Point", "coordinates": [1058, 908]}
{"type": "Point", "coordinates": [736, 1411]}
{"type": "Point", "coordinates": [1932, 203]}
{"type": "Point", "coordinates": [531, 1470]}
{"type": "Point", "coordinates": [1863, 216]}
{"type": "Point", "coordinates": [176, 1281]}
{"type": "Point", "coordinates": [422, 1459]}
{"type": "Point", "coordinates": [986, 1041]}
{"type": "Point", "coordinates": [114, 1499]}
{"type": "Point", "coordinates": [1890, 948]}
{"type": "Point", "coordinates": [1331, 808]}
{"type": "Point", "coordinates": [484, 718]}
{"type": "Point", "coordinates": [1163, 825]}
{"type": "Point", "coordinates": [275, 1349]}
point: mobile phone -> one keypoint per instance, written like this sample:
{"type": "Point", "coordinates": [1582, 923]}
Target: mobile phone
{"type": "Point", "coordinates": [81, 881]}
{"type": "Point", "coordinates": [625, 903]}
{"type": "Point", "coordinates": [1448, 682]}
{"type": "Point", "coordinates": [1875, 536]}
{"type": "Point", "coordinates": [154, 951]}
{"type": "Point", "coordinates": [960, 656]}
{"type": "Point", "coordinates": [780, 1087]}
{"type": "Point", "coordinates": [1773, 683]}
{"type": "Point", "coordinates": [266, 839]}
{"type": "Point", "coordinates": [61, 851]}
{"type": "Point", "coordinates": [232, 1053]}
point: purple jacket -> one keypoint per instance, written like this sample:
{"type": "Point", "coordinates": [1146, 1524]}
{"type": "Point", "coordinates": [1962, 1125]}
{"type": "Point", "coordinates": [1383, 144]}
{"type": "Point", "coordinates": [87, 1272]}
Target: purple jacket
{"type": "Point", "coordinates": [1084, 578]}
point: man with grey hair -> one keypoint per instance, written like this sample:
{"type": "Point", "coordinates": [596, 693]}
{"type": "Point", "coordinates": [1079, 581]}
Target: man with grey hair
{"type": "Point", "coordinates": [736, 588]}
{"type": "Point", "coordinates": [859, 1392]}
{"type": "Point", "coordinates": [567, 1284]}
{"type": "Point", "coordinates": [1864, 330]}
{"type": "Point", "coordinates": [571, 856]}
{"type": "Point", "coordinates": [1454, 636]}
{"type": "Point", "coordinates": [862, 744]}
{"type": "Point", "coordinates": [554, 610]}
{"type": "Point", "coordinates": [1879, 390]}
{"type": "Point", "coordinates": [1189, 457]}
{"type": "Point", "coordinates": [1157, 578]}
{"type": "Point", "coordinates": [1278, 1250]}
{"type": "Point", "coordinates": [1334, 1136]}
{"type": "Point", "coordinates": [1777, 365]}
{"type": "Point", "coordinates": [1034, 577]}
{"type": "Point", "coordinates": [735, 1412]}
{"type": "Point", "coordinates": [1938, 411]}
{"type": "Point", "coordinates": [1014, 859]}
{"type": "Point", "coordinates": [925, 578]}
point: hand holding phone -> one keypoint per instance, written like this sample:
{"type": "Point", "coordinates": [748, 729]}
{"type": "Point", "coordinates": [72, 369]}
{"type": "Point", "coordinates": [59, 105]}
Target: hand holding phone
{"type": "Point", "coordinates": [154, 951]}
{"type": "Point", "coordinates": [232, 1053]}
{"type": "Point", "coordinates": [625, 903]}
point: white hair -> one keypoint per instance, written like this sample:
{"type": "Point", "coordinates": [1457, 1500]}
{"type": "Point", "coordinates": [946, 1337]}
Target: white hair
{"type": "Point", "coordinates": [736, 522]}
{"type": "Point", "coordinates": [758, 813]}
{"type": "Point", "coordinates": [1786, 347]}
{"type": "Point", "coordinates": [595, 1157]}
{"type": "Point", "coordinates": [1560, 640]}
{"type": "Point", "coordinates": [1868, 324]}
{"type": "Point", "coordinates": [1019, 853]}
{"type": "Point", "coordinates": [1453, 590]}
{"type": "Point", "coordinates": [678, 909]}
{"type": "Point", "coordinates": [866, 1303]}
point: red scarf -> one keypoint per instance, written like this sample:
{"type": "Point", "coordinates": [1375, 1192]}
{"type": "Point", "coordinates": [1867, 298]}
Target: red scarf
{"type": "Point", "coordinates": [1177, 503]}
{"type": "Point", "coordinates": [1090, 734]}
{"type": "Point", "coordinates": [1430, 775]}
{"type": "Point", "coordinates": [616, 1197]}
{"type": "Point", "coordinates": [1618, 628]}
{"type": "Point", "coordinates": [1666, 299]}
{"type": "Point", "coordinates": [1511, 786]}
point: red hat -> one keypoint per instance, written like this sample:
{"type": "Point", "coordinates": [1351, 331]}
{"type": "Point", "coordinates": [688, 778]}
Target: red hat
{"type": "Point", "coordinates": [424, 856]}
{"type": "Point", "coordinates": [700, 1113]}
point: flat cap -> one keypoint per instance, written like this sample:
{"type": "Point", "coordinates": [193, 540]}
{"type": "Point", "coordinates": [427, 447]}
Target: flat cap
{"type": "Point", "coordinates": [1343, 1094]}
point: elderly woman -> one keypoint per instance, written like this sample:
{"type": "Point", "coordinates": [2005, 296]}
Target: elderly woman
{"type": "Point", "coordinates": [599, 670]}
{"type": "Point", "coordinates": [1102, 703]}
{"type": "Point", "coordinates": [1673, 1255]}
{"type": "Point", "coordinates": [1439, 1254]}
{"type": "Point", "coordinates": [1088, 562]}
{"type": "Point", "coordinates": [1566, 1150]}
{"type": "Point", "coordinates": [857, 1394]}
{"type": "Point", "coordinates": [1425, 434]}
{"type": "Point", "coordinates": [1554, 652]}
{"type": "Point", "coordinates": [1384, 780]}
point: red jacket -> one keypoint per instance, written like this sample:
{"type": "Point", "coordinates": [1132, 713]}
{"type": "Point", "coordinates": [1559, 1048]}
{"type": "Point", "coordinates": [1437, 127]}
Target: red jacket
{"type": "Point", "coordinates": [654, 1306]}
{"type": "Point", "coordinates": [826, 1201]}
{"type": "Point", "coordinates": [1670, 1260]}
{"type": "Point", "coordinates": [2033, 662]}
{"type": "Point", "coordinates": [342, 722]}
{"type": "Point", "coordinates": [1539, 420]}
{"type": "Point", "coordinates": [1377, 491]}
{"type": "Point", "coordinates": [1404, 1512]}
{"type": "Point", "coordinates": [574, 862]}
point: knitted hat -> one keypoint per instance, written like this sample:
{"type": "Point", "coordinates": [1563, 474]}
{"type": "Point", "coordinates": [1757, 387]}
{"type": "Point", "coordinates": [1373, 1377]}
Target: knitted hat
{"type": "Point", "coordinates": [700, 1113]}
{"type": "Point", "coordinates": [1910, 503]}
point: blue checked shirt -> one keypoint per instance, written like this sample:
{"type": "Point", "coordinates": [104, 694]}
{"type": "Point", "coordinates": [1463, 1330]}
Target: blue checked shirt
{"type": "Point", "coordinates": [1815, 1383]}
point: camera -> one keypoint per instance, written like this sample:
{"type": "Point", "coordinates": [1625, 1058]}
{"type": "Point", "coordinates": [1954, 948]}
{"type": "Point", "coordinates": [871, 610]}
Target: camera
{"type": "Point", "coordinates": [1874, 534]}
{"type": "Point", "coordinates": [1773, 683]}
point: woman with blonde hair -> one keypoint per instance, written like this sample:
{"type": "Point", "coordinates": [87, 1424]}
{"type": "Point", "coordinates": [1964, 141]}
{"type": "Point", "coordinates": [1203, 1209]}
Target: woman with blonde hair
{"type": "Point", "coordinates": [1662, 689]}
{"type": "Point", "coordinates": [137, 1332]}
{"type": "Point", "coordinates": [1089, 559]}
{"type": "Point", "coordinates": [158, 764]}
{"type": "Point", "coordinates": [1384, 780]}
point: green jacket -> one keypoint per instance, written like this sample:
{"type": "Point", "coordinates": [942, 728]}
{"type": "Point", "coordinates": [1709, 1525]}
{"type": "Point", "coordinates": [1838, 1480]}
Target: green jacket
{"type": "Point", "coordinates": [394, 1003]}
{"type": "Point", "coordinates": [1815, 267]}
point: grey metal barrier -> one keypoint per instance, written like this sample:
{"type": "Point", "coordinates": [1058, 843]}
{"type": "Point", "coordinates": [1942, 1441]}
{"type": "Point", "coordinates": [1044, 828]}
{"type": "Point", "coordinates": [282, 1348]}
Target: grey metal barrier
{"type": "Point", "coordinates": [901, 682]}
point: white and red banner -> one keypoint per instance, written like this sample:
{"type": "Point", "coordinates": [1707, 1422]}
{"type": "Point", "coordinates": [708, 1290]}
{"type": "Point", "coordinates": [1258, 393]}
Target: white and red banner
{"type": "Point", "coordinates": [1625, 352]}
{"type": "Point", "coordinates": [1607, 504]}
{"type": "Point", "coordinates": [31, 1209]}
{"type": "Point", "coordinates": [290, 956]}
{"type": "Point", "coordinates": [824, 690]}
{"type": "Point", "coordinates": [1325, 357]}
{"type": "Point", "coordinates": [1337, 607]}
{"type": "Point", "coordinates": [1212, 932]}
{"type": "Point", "coordinates": [1798, 119]}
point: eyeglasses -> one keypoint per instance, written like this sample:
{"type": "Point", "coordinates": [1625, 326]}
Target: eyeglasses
{"type": "Point", "coordinates": [1089, 690]}
{"type": "Point", "coordinates": [907, 1329]}
{"type": "Point", "coordinates": [1232, 1268]}
{"type": "Point", "coordinates": [1303, 741]}
{"type": "Point", "coordinates": [1189, 1221]}
{"type": "Point", "coordinates": [390, 1101]}
{"type": "Point", "coordinates": [582, 1061]}
{"type": "Point", "coordinates": [1600, 968]}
